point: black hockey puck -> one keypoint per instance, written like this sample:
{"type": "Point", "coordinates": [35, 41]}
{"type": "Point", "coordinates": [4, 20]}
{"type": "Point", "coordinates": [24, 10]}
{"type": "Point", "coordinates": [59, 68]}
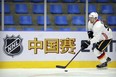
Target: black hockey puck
{"type": "Point", "coordinates": [66, 70]}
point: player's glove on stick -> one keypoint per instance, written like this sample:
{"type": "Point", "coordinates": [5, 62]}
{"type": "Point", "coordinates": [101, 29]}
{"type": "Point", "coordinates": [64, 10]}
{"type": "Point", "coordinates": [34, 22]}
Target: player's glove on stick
{"type": "Point", "coordinates": [90, 34]}
{"type": "Point", "coordinates": [85, 44]}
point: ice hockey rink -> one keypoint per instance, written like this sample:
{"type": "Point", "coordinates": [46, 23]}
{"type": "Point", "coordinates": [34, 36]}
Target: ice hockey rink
{"type": "Point", "coordinates": [75, 72]}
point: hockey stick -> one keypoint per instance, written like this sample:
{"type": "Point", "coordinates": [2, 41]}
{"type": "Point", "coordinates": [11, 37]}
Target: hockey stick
{"type": "Point", "coordinates": [63, 67]}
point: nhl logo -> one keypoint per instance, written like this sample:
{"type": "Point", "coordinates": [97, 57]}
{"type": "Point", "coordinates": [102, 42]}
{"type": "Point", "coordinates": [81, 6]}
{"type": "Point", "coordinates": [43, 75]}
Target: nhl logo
{"type": "Point", "coordinates": [12, 45]}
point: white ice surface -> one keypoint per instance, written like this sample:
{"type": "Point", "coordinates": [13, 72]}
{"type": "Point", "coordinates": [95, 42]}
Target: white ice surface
{"type": "Point", "coordinates": [78, 72]}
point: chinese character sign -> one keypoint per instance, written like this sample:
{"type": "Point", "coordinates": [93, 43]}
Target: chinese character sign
{"type": "Point", "coordinates": [53, 45]}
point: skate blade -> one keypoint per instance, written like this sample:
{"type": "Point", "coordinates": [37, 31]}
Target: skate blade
{"type": "Point", "coordinates": [102, 68]}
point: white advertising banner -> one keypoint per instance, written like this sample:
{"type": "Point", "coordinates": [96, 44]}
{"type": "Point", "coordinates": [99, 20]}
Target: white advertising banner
{"type": "Point", "coordinates": [47, 46]}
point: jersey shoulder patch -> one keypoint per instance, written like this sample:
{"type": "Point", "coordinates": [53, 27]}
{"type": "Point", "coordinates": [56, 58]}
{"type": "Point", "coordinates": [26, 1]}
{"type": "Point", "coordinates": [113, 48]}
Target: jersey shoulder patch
{"type": "Point", "coordinates": [99, 24]}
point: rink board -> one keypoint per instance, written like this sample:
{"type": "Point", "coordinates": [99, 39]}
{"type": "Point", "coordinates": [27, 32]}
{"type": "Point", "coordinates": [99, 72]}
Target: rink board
{"type": "Point", "coordinates": [47, 49]}
{"type": "Point", "coordinates": [52, 64]}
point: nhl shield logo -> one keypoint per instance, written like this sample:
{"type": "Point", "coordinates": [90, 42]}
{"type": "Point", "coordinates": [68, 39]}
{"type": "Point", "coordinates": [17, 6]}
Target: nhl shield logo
{"type": "Point", "coordinates": [13, 45]}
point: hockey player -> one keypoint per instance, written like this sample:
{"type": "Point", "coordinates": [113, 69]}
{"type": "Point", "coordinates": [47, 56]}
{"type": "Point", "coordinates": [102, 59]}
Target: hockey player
{"type": "Point", "coordinates": [100, 35]}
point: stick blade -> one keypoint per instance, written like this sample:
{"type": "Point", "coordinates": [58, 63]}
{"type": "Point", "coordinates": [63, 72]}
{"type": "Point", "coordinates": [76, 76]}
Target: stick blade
{"type": "Point", "coordinates": [58, 66]}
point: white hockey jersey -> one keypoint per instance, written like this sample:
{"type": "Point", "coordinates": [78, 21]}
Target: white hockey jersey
{"type": "Point", "coordinates": [100, 31]}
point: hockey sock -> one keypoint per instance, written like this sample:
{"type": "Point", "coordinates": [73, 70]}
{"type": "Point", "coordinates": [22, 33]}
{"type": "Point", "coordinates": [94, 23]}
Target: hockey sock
{"type": "Point", "coordinates": [100, 55]}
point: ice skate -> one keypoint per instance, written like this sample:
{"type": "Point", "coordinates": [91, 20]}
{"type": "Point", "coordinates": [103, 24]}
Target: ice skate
{"type": "Point", "coordinates": [104, 64]}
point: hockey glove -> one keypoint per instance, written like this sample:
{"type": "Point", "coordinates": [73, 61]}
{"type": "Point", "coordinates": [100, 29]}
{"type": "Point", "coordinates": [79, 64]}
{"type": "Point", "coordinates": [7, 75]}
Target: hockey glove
{"type": "Point", "coordinates": [85, 44]}
{"type": "Point", "coordinates": [90, 34]}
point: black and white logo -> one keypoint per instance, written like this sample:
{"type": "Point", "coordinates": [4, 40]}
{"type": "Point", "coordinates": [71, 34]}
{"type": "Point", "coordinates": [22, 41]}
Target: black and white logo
{"type": "Point", "coordinates": [13, 45]}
